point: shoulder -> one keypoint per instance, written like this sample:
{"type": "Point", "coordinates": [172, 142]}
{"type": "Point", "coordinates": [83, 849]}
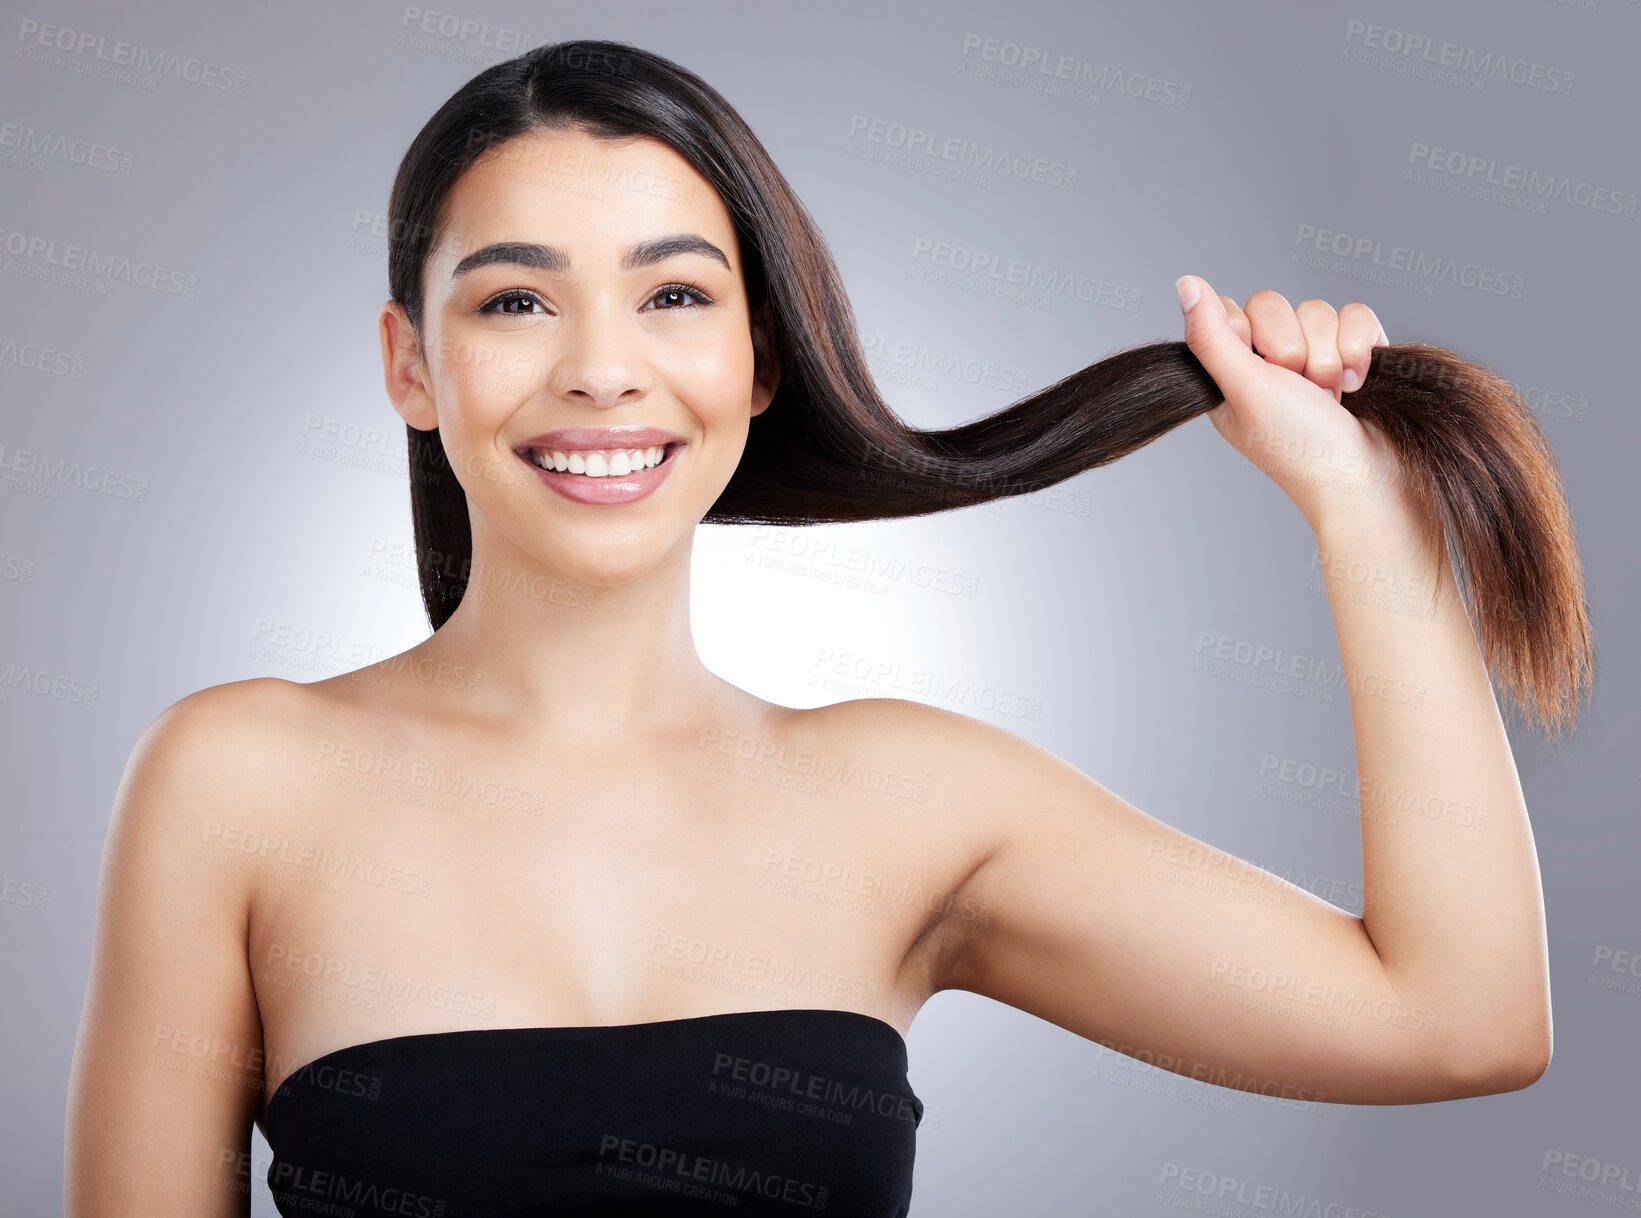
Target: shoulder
{"type": "Point", "coordinates": [995, 789]}
{"type": "Point", "coordinates": [168, 961]}
{"type": "Point", "coordinates": [977, 775]}
{"type": "Point", "coordinates": [906, 721]}
{"type": "Point", "coordinates": [212, 771]}
{"type": "Point", "coordinates": [952, 743]}
{"type": "Point", "coordinates": [222, 708]}
{"type": "Point", "coordinates": [221, 724]}
{"type": "Point", "coordinates": [213, 754]}
{"type": "Point", "coordinates": [1000, 810]}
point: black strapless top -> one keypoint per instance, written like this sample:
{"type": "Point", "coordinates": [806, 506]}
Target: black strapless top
{"type": "Point", "coordinates": [788, 1111]}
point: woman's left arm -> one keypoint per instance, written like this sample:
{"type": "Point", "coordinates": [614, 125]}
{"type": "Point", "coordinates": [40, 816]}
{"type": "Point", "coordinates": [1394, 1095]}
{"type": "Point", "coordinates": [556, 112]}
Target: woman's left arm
{"type": "Point", "coordinates": [1451, 891]}
{"type": "Point", "coordinates": [1452, 899]}
{"type": "Point", "coordinates": [1132, 933]}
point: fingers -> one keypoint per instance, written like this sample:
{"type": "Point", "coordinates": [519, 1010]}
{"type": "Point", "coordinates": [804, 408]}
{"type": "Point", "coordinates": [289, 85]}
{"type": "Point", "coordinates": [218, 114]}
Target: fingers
{"type": "Point", "coordinates": [1222, 352]}
{"type": "Point", "coordinates": [1320, 325]}
{"type": "Point", "coordinates": [1332, 349]}
{"type": "Point", "coordinates": [1359, 333]}
{"type": "Point", "coordinates": [1237, 319]}
{"type": "Point", "coordinates": [1277, 334]}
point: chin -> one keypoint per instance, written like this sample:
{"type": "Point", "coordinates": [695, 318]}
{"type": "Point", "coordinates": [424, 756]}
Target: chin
{"type": "Point", "coordinates": [611, 564]}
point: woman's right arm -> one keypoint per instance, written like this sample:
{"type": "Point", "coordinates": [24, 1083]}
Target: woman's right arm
{"type": "Point", "coordinates": [167, 1066]}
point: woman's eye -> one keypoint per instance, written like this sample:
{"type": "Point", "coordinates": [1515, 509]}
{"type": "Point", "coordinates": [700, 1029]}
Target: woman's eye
{"type": "Point", "coordinates": [504, 303]}
{"type": "Point", "coordinates": [670, 299]}
{"type": "Point", "coordinates": [673, 291]}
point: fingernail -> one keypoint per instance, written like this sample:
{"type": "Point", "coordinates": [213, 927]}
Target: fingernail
{"type": "Point", "coordinates": [1189, 292]}
{"type": "Point", "coordinates": [1350, 380]}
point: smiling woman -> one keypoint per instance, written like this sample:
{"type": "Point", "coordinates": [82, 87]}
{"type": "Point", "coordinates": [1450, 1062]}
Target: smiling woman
{"type": "Point", "coordinates": [561, 265]}
{"type": "Point", "coordinates": [611, 320]}
{"type": "Point", "coordinates": [586, 454]}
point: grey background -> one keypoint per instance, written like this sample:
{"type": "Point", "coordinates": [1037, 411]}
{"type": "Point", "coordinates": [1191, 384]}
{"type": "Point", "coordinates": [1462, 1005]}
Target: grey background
{"type": "Point", "coordinates": [1087, 603]}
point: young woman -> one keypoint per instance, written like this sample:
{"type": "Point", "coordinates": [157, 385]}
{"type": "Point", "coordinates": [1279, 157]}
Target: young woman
{"type": "Point", "coordinates": [543, 916]}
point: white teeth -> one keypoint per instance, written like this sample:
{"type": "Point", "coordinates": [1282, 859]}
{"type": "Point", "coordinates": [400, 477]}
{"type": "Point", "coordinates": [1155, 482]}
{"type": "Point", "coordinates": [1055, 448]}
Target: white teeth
{"type": "Point", "coordinates": [602, 463]}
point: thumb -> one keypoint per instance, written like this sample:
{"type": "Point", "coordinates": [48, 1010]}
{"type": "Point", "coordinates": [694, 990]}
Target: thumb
{"type": "Point", "coordinates": [1230, 361]}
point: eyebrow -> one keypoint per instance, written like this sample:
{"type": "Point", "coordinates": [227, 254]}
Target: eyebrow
{"type": "Point", "coordinates": [539, 257]}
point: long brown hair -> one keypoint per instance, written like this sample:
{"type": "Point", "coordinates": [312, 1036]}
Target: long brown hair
{"type": "Point", "coordinates": [829, 450]}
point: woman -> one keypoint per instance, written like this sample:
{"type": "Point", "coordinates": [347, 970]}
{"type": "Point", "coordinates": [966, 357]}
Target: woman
{"type": "Point", "coordinates": [538, 915]}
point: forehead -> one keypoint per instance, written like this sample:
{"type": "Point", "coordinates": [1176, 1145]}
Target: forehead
{"type": "Point", "coordinates": [589, 197]}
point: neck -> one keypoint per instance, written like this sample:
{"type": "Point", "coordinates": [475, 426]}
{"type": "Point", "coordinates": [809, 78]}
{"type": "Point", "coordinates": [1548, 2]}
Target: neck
{"type": "Point", "coordinates": [560, 657]}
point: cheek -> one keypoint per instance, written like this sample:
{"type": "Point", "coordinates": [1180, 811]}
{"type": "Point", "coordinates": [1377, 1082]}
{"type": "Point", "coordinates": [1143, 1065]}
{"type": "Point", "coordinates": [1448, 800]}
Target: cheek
{"type": "Point", "coordinates": [487, 366]}
{"type": "Point", "coordinates": [715, 375]}
{"type": "Point", "coordinates": [474, 405]}
{"type": "Point", "coordinates": [479, 380]}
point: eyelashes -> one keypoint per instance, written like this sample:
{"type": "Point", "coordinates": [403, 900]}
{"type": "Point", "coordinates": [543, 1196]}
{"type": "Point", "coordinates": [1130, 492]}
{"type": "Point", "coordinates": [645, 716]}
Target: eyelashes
{"type": "Point", "coordinates": [497, 304]}
{"type": "Point", "coordinates": [682, 289]}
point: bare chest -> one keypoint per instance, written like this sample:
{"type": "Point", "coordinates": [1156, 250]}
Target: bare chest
{"type": "Point", "coordinates": [422, 890]}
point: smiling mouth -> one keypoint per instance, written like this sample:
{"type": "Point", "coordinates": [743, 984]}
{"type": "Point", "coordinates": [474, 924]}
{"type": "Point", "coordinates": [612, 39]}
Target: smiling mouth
{"type": "Point", "coordinates": [600, 462]}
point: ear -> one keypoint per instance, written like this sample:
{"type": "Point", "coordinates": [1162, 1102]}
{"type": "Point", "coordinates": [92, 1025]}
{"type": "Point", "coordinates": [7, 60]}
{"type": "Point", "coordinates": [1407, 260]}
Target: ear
{"type": "Point", "coordinates": [403, 369]}
{"type": "Point", "coordinates": [766, 369]}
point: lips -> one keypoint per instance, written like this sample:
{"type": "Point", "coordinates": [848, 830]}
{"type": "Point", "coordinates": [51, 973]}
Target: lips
{"type": "Point", "coordinates": [589, 439]}
{"type": "Point", "coordinates": [603, 488]}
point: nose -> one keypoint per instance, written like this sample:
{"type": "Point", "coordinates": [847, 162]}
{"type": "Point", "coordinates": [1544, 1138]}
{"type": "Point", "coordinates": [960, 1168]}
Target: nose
{"type": "Point", "coordinates": [599, 361]}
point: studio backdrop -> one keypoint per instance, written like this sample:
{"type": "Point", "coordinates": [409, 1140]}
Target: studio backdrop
{"type": "Point", "coordinates": [203, 479]}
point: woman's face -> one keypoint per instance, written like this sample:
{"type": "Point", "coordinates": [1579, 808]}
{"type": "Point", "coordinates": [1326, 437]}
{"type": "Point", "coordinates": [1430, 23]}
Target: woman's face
{"type": "Point", "coordinates": [579, 287]}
